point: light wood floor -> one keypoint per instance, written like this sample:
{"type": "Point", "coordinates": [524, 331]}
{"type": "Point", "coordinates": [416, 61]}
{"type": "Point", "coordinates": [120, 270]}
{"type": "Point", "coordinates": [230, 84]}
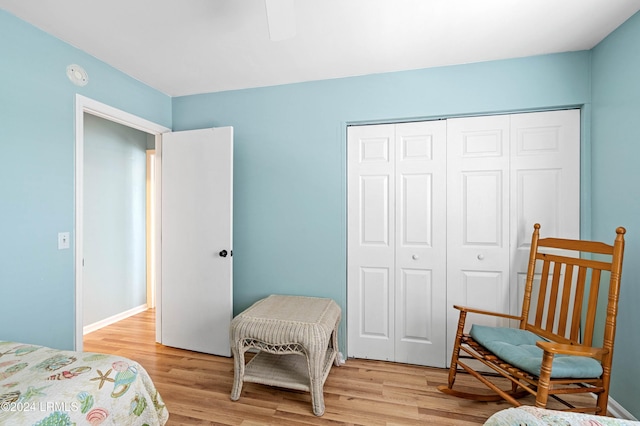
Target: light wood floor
{"type": "Point", "coordinates": [196, 388]}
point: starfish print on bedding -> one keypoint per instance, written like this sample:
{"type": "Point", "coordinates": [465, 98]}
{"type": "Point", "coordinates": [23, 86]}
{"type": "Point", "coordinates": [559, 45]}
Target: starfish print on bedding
{"type": "Point", "coordinates": [31, 392]}
{"type": "Point", "coordinates": [103, 377]}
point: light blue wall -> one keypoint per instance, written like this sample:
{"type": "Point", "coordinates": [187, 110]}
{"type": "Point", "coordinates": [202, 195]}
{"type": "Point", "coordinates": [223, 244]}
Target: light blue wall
{"type": "Point", "coordinates": [37, 103]}
{"type": "Point", "coordinates": [615, 180]}
{"type": "Point", "coordinates": [290, 155]}
{"type": "Point", "coordinates": [114, 273]}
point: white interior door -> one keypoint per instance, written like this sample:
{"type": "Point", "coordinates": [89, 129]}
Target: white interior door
{"type": "Point", "coordinates": [196, 285]}
{"type": "Point", "coordinates": [396, 243]}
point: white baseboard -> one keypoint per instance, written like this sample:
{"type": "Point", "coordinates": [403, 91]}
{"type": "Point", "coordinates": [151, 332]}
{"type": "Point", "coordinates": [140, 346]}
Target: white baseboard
{"type": "Point", "coordinates": [618, 410]}
{"type": "Point", "coordinates": [113, 319]}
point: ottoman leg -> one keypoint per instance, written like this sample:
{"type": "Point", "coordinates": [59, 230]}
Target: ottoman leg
{"type": "Point", "coordinates": [334, 344]}
{"type": "Point", "coordinates": [316, 383]}
{"type": "Point", "coordinates": [238, 372]}
{"type": "Point", "coordinates": [317, 397]}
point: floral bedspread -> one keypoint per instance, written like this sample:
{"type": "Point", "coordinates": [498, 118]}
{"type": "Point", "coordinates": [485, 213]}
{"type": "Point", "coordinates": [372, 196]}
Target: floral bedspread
{"type": "Point", "coordinates": [533, 416]}
{"type": "Point", "coordinates": [43, 386]}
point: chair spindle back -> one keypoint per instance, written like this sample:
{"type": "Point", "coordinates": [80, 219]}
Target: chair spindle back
{"type": "Point", "coordinates": [570, 276]}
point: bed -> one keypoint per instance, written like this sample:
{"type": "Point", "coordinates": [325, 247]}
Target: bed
{"type": "Point", "coordinates": [43, 386]}
{"type": "Point", "coordinates": [534, 416]}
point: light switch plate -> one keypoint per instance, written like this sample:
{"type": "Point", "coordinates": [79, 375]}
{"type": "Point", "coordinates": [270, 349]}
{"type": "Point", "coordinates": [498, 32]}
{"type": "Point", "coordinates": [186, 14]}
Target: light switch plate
{"type": "Point", "coordinates": [63, 240]}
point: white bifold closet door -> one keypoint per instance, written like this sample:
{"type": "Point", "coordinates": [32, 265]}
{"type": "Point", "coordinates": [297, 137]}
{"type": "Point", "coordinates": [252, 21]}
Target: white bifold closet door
{"type": "Point", "coordinates": [441, 213]}
{"type": "Point", "coordinates": [506, 173]}
{"type": "Point", "coordinates": [397, 242]}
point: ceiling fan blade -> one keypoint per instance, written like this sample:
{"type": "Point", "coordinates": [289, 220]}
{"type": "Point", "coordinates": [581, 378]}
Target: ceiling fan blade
{"type": "Point", "coordinates": [281, 19]}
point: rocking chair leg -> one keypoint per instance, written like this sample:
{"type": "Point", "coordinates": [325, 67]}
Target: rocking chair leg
{"type": "Point", "coordinates": [544, 380]}
{"type": "Point", "coordinates": [456, 349]}
{"type": "Point", "coordinates": [602, 402]}
{"type": "Point", "coordinates": [499, 395]}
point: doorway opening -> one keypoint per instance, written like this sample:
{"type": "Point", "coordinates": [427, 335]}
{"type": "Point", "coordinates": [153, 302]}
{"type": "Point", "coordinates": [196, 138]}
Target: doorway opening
{"type": "Point", "coordinates": [88, 108]}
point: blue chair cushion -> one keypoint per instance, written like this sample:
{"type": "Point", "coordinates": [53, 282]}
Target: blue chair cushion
{"type": "Point", "coordinates": [518, 348]}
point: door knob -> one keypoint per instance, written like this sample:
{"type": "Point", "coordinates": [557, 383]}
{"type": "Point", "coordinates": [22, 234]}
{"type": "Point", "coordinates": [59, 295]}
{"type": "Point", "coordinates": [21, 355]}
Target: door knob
{"type": "Point", "coordinates": [415, 257]}
{"type": "Point", "coordinates": [223, 253]}
{"type": "Point", "coordinates": [480, 256]}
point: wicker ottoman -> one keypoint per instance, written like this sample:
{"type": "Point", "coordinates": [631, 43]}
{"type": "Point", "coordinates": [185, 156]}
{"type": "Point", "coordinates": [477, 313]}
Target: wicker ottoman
{"type": "Point", "coordinates": [297, 341]}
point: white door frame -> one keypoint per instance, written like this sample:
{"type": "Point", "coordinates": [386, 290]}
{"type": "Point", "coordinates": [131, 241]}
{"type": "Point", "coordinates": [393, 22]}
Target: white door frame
{"type": "Point", "coordinates": [93, 107]}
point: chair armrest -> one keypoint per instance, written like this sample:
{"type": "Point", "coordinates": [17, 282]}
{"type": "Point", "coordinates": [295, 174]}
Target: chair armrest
{"type": "Point", "coordinates": [577, 350]}
{"type": "Point", "coordinates": [482, 312]}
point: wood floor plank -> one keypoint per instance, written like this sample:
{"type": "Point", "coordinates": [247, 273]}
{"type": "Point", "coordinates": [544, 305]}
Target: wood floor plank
{"type": "Point", "coordinates": [196, 388]}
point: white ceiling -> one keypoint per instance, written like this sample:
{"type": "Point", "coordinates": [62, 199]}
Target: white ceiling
{"type": "Point", "coordinates": [184, 47]}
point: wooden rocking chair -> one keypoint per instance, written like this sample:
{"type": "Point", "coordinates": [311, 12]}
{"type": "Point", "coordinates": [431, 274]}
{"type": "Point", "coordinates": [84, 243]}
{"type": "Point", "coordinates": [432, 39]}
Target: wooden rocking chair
{"type": "Point", "coordinates": [551, 353]}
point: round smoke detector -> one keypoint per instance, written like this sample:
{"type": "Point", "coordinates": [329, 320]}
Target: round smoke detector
{"type": "Point", "coordinates": [77, 75]}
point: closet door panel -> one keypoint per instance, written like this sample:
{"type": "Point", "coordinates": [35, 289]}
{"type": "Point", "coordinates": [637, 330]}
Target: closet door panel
{"type": "Point", "coordinates": [482, 208]}
{"type": "Point", "coordinates": [478, 151]}
{"type": "Point", "coordinates": [420, 256]}
{"type": "Point", "coordinates": [416, 292]}
{"type": "Point", "coordinates": [374, 306]}
{"type": "Point", "coordinates": [537, 201]}
{"type": "Point", "coordinates": [371, 241]}
{"type": "Point", "coordinates": [476, 285]}
{"type": "Point", "coordinates": [416, 219]}
{"type": "Point", "coordinates": [374, 211]}
{"type": "Point", "coordinates": [545, 171]}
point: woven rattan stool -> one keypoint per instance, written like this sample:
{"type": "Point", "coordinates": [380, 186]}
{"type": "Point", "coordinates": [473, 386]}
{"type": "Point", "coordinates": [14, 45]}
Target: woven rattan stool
{"type": "Point", "coordinates": [297, 339]}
